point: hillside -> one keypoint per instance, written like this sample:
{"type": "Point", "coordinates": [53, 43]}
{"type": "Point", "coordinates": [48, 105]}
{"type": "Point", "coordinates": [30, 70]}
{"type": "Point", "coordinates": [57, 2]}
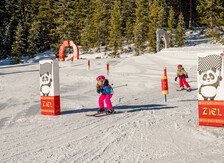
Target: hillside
{"type": "Point", "coordinates": [147, 130]}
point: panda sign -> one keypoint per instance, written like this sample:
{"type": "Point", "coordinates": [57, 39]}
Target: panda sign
{"type": "Point", "coordinates": [49, 87]}
{"type": "Point", "coordinates": [210, 90]}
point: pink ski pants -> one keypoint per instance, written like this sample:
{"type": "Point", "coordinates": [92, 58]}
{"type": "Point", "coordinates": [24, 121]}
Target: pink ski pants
{"type": "Point", "coordinates": [183, 80]}
{"type": "Point", "coordinates": [107, 100]}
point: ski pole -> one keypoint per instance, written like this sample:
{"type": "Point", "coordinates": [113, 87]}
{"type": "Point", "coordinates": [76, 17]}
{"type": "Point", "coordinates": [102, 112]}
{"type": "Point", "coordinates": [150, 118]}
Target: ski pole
{"type": "Point", "coordinates": [120, 86]}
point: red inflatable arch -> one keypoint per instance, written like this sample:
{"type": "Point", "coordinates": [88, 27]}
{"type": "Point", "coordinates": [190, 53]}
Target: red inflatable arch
{"type": "Point", "coordinates": [75, 50]}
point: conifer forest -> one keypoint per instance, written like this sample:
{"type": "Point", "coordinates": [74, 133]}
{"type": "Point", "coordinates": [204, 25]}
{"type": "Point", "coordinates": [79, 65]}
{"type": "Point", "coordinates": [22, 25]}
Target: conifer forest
{"type": "Point", "coordinates": [28, 27]}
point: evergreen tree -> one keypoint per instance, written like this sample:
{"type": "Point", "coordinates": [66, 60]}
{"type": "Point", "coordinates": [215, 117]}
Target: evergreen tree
{"type": "Point", "coordinates": [88, 35]}
{"type": "Point", "coordinates": [162, 14]}
{"type": "Point", "coordinates": [33, 39]}
{"type": "Point", "coordinates": [188, 9]}
{"type": "Point", "coordinates": [8, 36]}
{"type": "Point", "coordinates": [141, 26]}
{"type": "Point", "coordinates": [116, 27]}
{"type": "Point", "coordinates": [2, 12]}
{"type": "Point", "coordinates": [97, 23]}
{"type": "Point", "coordinates": [180, 31]}
{"type": "Point", "coordinates": [20, 13]}
{"type": "Point", "coordinates": [60, 31]}
{"type": "Point", "coordinates": [85, 25]}
{"type": "Point", "coordinates": [128, 19]}
{"type": "Point", "coordinates": [26, 27]}
{"type": "Point", "coordinates": [154, 24]}
{"type": "Point", "coordinates": [171, 24]}
{"type": "Point", "coordinates": [81, 13]}
{"type": "Point", "coordinates": [129, 31]}
{"type": "Point", "coordinates": [12, 16]}
{"type": "Point", "coordinates": [211, 13]}
{"type": "Point", "coordinates": [85, 36]}
{"type": "Point", "coordinates": [101, 20]}
{"type": "Point", "coordinates": [45, 19]}
{"type": "Point", "coordinates": [2, 54]}
{"type": "Point", "coordinates": [18, 46]}
{"type": "Point", "coordinates": [34, 9]}
{"type": "Point", "coordinates": [190, 17]}
{"type": "Point", "coordinates": [106, 22]}
{"type": "Point", "coordinates": [91, 23]}
{"type": "Point", "coordinates": [2, 21]}
{"type": "Point", "coordinates": [221, 19]}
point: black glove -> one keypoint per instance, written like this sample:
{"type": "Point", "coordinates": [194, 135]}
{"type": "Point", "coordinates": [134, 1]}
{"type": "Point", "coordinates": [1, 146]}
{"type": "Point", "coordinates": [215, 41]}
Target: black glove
{"type": "Point", "coordinates": [175, 79]}
{"type": "Point", "coordinates": [106, 82]}
{"type": "Point", "coordinates": [98, 88]}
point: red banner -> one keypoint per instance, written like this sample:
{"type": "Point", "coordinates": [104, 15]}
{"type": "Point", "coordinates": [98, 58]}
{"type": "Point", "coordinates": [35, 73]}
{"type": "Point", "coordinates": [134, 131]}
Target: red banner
{"type": "Point", "coordinates": [211, 113]}
{"type": "Point", "coordinates": [50, 105]}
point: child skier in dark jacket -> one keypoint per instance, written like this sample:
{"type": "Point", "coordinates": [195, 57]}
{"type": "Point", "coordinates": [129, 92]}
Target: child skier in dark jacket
{"type": "Point", "coordinates": [182, 75]}
{"type": "Point", "coordinates": [106, 91]}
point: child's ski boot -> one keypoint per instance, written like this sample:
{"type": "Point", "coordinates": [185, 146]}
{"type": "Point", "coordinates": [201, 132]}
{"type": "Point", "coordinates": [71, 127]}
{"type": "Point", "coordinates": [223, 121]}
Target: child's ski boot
{"type": "Point", "coordinates": [180, 89]}
{"type": "Point", "coordinates": [110, 111]}
{"type": "Point", "coordinates": [189, 89]}
{"type": "Point", "coordinates": [100, 110]}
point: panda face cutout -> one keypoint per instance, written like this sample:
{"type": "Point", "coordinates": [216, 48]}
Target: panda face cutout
{"type": "Point", "coordinates": [208, 77]}
{"type": "Point", "coordinates": [46, 78]}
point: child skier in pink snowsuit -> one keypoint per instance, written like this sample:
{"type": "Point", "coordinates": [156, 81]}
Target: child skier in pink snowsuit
{"type": "Point", "coordinates": [182, 74]}
{"type": "Point", "coordinates": [106, 91]}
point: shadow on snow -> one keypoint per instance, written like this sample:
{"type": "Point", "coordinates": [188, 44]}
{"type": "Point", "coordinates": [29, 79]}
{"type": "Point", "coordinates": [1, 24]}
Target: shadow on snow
{"type": "Point", "coordinates": [131, 108]}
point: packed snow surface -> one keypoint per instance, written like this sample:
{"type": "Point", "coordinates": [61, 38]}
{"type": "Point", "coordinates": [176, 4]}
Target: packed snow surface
{"type": "Point", "coordinates": [148, 129]}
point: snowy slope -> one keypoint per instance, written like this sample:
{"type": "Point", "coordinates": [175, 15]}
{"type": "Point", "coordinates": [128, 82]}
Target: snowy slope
{"type": "Point", "coordinates": [148, 130]}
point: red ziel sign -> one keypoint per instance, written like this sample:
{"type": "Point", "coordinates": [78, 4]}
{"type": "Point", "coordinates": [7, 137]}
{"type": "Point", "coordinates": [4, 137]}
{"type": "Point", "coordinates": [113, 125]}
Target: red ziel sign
{"type": "Point", "coordinates": [211, 113]}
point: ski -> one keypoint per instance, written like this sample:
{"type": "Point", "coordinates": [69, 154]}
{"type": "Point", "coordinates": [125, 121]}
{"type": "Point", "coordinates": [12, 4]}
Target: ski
{"type": "Point", "coordinates": [100, 114]}
{"type": "Point", "coordinates": [188, 90]}
{"type": "Point", "coordinates": [95, 113]}
{"type": "Point", "coordinates": [181, 89]}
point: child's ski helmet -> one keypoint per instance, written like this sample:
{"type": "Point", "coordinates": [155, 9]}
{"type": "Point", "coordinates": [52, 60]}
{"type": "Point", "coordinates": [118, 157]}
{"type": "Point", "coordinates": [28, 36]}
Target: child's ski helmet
{"type": "Point", "coordinates": [101, 77]}
{"type": "Point", "coordinates": [180, 67]}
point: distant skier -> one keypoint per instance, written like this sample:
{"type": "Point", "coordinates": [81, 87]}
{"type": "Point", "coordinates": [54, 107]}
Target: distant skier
{"type": "Point", "coordinates": [106, 91]}
{"type": "Point", "coordinates": [182, 74]}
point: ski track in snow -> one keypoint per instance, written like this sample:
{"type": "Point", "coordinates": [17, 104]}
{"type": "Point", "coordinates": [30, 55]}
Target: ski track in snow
{"type": "Point", "coordinates": [148, 130]}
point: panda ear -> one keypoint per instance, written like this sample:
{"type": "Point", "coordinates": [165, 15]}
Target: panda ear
{"type": "Point", "coordinates": [200, 72]}
{"type": "Point", "coordinates": [213, 69]}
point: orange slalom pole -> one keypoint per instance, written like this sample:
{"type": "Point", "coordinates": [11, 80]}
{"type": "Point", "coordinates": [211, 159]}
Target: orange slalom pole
{"type": "Point", "coordinates": [88, 64]}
